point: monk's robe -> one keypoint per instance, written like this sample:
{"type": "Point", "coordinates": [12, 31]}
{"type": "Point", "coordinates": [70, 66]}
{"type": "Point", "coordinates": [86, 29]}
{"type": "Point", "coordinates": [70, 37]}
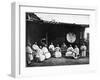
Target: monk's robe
{"type": "Point", "coordinates": [69, 52]}
{"type": "Point", "coordinates": [57, 52]}
{"type": "Point", "coordinates": [83, 50]}
{"type": "Point", "coordinates": [39, 55]}
{"type": "Point", "coordinates": [76, 51]}
{"type": "Point", "coordinates": [46, 52]}
{"type": "Point", "coordinates": [52, 49]}
{"type": "Point", "coordinates": [29, 54]}
{"type": "Point", "coordinates": [35, 47]}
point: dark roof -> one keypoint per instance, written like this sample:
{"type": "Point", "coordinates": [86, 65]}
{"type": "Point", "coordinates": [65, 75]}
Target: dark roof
{"type": "Point", "coordinates": [36, 19]}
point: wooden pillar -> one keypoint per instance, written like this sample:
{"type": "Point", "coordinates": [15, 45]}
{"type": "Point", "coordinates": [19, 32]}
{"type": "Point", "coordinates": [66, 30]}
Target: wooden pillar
{"type": "Point", "coordinates": [47, 38]}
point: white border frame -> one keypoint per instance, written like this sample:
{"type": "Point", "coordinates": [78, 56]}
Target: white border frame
{"type": "Point", "coordinates": [18, 41]}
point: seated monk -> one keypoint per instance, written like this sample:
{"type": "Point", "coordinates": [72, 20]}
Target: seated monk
{"type": "Point", "coordinates": [57, 52]}
{"type": "Point", "coordinates": [46, 52]}
{"type": "Point", "coordinates": [76, 51]}
{"type": "Point", "coordinates": [35, 46]}
{"type": "Point", "coordinates": [39, 55]}
{"type": "Point", "coordinates": [51, 49]}
{"type": "Point", "coordinates": [70, 51]}
{"type": "Point", "coordinates": [29, 54]}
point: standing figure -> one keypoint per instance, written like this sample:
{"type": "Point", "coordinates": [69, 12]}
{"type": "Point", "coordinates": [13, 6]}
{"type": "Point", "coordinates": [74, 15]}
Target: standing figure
{"type": "Point", "coordinates": [63, 49]}
{"type": "Point", "coordinates": [29, 54]}
{"type": "Point", "coordinates": [83, 50]}
{"type": "Point", "coordinates": [46, 52]}
{"type": "Point", "coordinates": [51, 49]}
{"type": "Point", "coordinates": [57, 52]}
{"type": "Point", "coordinates": [76, 51]}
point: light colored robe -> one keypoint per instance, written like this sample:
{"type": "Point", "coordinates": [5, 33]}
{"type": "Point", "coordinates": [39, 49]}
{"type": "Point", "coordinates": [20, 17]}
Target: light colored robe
{"type": "Point", "coordinates": [46, 52]}
{"type": "Point", "coordinates": [40, 55]}
{"type": "Point", "coordinates": [52, 47]}
{"type": "Point", "coordinates": [29, 53]}
{"type": "Point", "coordinates": [83, 50]}
{"type": "Point", "coordinates": [35, 47]}
{"type": "Point", "coordinates": [76, 50]}
{"type": "Point", "coordinates": [57, 52]}
{"type": "Point", "coordinates": [69, 52]}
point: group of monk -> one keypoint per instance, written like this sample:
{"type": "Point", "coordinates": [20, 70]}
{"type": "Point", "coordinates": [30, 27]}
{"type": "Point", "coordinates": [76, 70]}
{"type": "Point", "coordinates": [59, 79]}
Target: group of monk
{"type": "Point", "coordinates": [41, 53]}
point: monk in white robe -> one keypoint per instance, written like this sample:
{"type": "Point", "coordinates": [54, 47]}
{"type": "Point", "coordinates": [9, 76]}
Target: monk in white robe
{"type": "Point", "coordinates": [29, 53]}
{"type": "Point", "coordinates": [35, 46]}
{"type": "Point", "coordinates": [39, 55]}
{"type": "Point", "coordinates": [70, 51]}
{"type": "Point", "coordinates": [76, 51]}
{"type": "Point", "coordinates": [52, 49]}
{"type": "Point", "coordinates": [46, 52]}
{"type": "Point", "coordinates": [83, 50]}
{"type": "Point", "coordinates": [57, 52]}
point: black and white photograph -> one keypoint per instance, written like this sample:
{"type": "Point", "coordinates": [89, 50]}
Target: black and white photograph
{"type": "Point", "coordinates": [54, 39]}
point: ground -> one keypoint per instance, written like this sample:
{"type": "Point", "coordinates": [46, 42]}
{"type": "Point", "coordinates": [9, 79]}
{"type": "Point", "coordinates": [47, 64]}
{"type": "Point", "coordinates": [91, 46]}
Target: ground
{"type": "Point", "coordinates": [60, 61]}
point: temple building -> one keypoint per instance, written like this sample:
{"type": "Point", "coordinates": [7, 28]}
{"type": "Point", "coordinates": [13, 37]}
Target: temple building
{"type": "Point", "coordinates": [38, 30]}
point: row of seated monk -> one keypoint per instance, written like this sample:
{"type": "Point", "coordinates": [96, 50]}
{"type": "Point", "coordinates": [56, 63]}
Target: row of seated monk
{"type": "Point", "coordinates": [39, 53]}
